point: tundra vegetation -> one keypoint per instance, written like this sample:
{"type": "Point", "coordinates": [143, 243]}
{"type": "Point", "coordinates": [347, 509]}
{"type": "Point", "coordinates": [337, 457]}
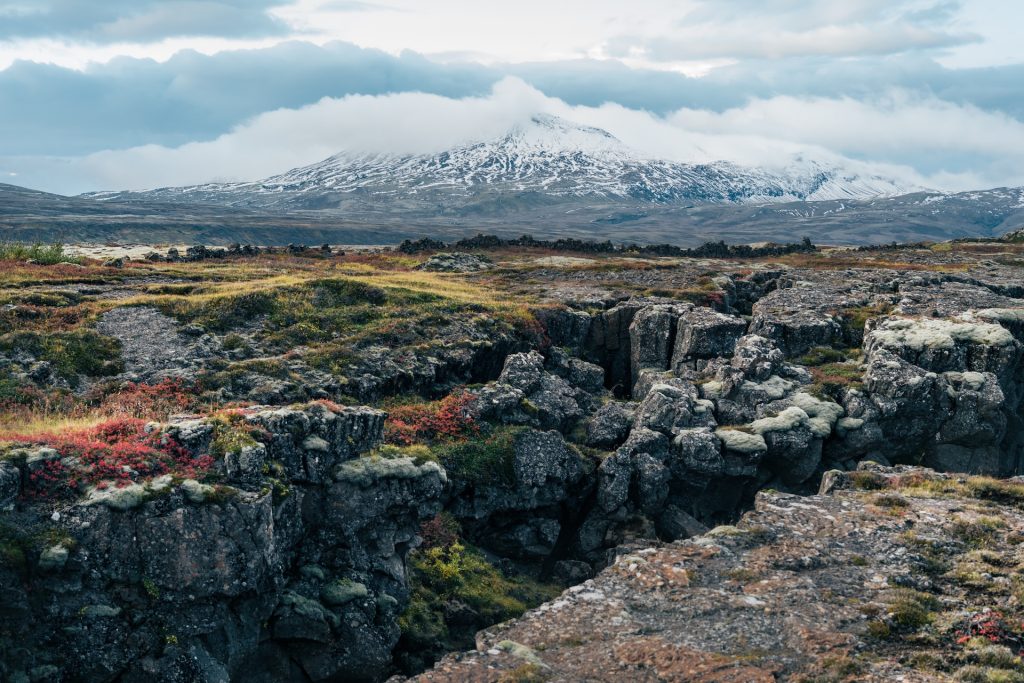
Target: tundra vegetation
{"type": "Point", "coordinates": [446, 440]}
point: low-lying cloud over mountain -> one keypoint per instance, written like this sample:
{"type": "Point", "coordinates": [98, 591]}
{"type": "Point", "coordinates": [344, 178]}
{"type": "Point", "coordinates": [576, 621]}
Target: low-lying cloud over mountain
{"type": "Point", "coordinates": [907, 138]}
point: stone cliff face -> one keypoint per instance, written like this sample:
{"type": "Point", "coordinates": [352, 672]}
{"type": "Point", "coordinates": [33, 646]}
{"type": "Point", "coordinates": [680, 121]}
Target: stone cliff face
{"type": "Point", "coordinates": [296, 576]}
{"type": "Point", "coordinates": [824, 375]}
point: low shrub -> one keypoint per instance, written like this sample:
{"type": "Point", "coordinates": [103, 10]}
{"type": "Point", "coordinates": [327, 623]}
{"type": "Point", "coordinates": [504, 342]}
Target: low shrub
{"type": "Point", "coordinates": [444, 420]}
{"type": "Point", "coordinates": [79, 352]}
{"type": "Point", "coordinates": [45, 254]}
{"type": "Point", "coordinates": [150, 401]}
{"type": "Point", "coordinates": [458, 574]}
{"type": "Point", "coordinates": [119, 451]}
{"type": "Point", "coordinates": [481, 461]}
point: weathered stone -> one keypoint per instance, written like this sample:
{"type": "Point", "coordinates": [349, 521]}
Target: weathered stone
{"type": "Point", "coordinates": [652, 336]}
{"type": "Point", "coordinates": [455, 262]}
{"type": "Point", "coordinates": [10, 484]}
{"type": "Point", "coordinates": [704, 333]}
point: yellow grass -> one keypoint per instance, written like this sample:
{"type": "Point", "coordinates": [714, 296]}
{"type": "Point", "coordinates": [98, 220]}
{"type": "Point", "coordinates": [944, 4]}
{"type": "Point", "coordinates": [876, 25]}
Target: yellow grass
{"type": "Point", "coordinates": [47, 424]}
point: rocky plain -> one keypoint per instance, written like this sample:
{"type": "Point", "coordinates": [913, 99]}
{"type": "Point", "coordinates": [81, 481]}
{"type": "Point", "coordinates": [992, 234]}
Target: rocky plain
{"type": "Point", "coordinates": [522, 461]}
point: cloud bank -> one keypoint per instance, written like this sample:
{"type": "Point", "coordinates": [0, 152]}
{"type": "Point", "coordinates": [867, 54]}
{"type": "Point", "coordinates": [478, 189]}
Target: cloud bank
{"type": "Point", "coordinates": [106, 21]}
{"type": "Point", "coordinates": [923, 141]}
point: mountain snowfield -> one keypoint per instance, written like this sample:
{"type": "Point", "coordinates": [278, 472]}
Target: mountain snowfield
{"type": "Point", "coordinates": [547, 159]}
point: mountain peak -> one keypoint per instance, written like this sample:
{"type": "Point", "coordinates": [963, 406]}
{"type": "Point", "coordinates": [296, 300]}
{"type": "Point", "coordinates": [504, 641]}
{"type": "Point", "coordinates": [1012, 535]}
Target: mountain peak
{"type": "Point", "coordinates": [545, 159]}
{"type": "Point", "coordinates": [553, 133]}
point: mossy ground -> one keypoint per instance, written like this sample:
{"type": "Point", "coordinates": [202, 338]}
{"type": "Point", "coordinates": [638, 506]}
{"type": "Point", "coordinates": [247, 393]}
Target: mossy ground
{"type": "Point", "coordinates": [458, 576]}
{"type": "Point", "coordinates": [965, 623]}
{"type": "Point", "coordinates": [274, 307]}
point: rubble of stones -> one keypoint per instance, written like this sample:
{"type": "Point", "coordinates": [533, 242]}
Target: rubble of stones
{"type": "Point", "coordinates": [642, 420]}
{"type": "Point", "coordinates": [456, 262]}
{"type": "Point", "coordinates": [707, 250]}
{"type": "Point", "coordinates": [201, 252]}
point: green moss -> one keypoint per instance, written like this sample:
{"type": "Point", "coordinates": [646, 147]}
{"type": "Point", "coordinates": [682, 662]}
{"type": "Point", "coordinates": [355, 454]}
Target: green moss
{"type": "Point", "coordinates": [420, 453]}
{"type": "Point", "coordinates": [821, 355]}
{"type": "Point", "coordinates": [910, 610]}
{"type": "Point", "coordinates": [20, 543]}
{"type": "Point", "coordinates": [222, 313]}
{"type": "Point", "coordinates": [49, 299]}
{"type": "Point", "coordinates": [172, 289]}
{"type": "Point", "coordinates": [999, 491]}
{"type": "Point", "coordinates": [12, 555]}
{"type": "Point", "coordinates": [231, 434]}
{"type": "Point", "coordinates": [933, 558]}
{"type": "Point", "coordinates": [79, 352]}
{"type": "Point", "coordinates": [152, 590]}
{"type": "Point", "coordinates": [878, 630]}
{"type": "Point", "coordinates": [525, 673]}
{"type": "Point", "coordinates": [342, 591]}
{"type": "Point", "coordinates": [332, 293]}
{"type": "Point", "coordinates": [481, 461]}
{"type": "Point", "coordinates": [973, 673]}
{"type": "Point", "coordinates": [855, 319]}
{"type": "Point", "coordinates": [233, 342]}
{"type": "Point", "coordinates": [977, 533]}
{"type": "Point", "coordinates": [460, 573]}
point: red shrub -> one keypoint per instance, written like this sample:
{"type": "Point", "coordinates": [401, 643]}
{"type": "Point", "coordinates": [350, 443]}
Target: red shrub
{"type": "Point", "coordinates": [992, 626]}
{"type": "Point", "coordinates": [118, 450]}
{"type": "Point", "coordinates": [158, 400]}
{"type": "Point", "coordinates": [440, 532]}
{"type": "Point", "coordinates": [330, 405]}
{"type": "Point", "coordinates": [447, 419]}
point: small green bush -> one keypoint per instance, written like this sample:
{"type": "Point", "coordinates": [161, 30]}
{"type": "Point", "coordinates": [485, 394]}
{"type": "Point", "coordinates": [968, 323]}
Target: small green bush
{"type": "Point", "coordinates": [46, 254]}
{"type": "Point", "coordinates": [481, 461]}
{"type": "Point", "coordinates": [460, 573]}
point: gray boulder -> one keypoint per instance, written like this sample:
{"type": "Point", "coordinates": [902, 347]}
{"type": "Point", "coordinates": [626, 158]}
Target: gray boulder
{"type": "Point", "coordinates": [651, 336]}
{"type": "Point", "coordinates": [610, 425]}
{"type": "Point", "coordinates": [456, 262]}
{"type": "Point", "coordinates": [947, 345]}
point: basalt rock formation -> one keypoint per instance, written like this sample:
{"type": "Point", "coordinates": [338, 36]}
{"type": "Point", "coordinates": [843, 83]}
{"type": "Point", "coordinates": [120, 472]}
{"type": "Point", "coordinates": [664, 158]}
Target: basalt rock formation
{"type": "Point", "coordinates": [603, 432]}
{"type": "Point", "coordinates": [293, 569]}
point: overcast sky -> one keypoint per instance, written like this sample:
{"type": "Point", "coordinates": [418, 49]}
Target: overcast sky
{"type": "Point", "coordinates": [129, 94]}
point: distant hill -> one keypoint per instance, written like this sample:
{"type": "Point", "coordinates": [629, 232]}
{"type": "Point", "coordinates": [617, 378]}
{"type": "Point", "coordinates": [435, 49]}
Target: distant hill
{"type": "Point", "coordinates": [28, 215]}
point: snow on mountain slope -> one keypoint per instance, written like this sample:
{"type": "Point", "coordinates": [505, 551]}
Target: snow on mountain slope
{"type": "Point", "coordinates": [548, 159]}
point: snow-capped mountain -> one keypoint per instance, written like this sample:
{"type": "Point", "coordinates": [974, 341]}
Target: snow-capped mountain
{"type": "Point", "coordinates": [547, 159]}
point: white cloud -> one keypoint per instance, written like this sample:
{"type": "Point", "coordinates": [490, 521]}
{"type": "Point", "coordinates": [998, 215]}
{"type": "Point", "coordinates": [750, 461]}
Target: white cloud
{"type": "Point", "coordinates": [773, 29]}
{"type": "Point", "coordinates": [921, 141]}
{"type": "Point", "coordinates": [890, 126]}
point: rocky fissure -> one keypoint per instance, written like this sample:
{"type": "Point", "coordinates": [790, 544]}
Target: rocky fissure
{"type": "Point", "coordinates": [284, 541]}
